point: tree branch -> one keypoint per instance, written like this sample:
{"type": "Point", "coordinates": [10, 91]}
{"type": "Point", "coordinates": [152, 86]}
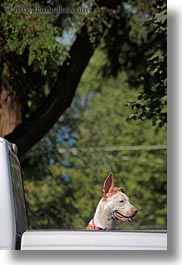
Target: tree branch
{"type": "Point", "coordinates": [33, 129]}
{"type": "Point", "coordinates": [41, 121]}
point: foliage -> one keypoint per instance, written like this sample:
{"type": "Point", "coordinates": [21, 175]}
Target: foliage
{"type": "Point", "coordinates": [98, 119]}
{"type": "Point", "coordinates": [63, 185]}
{"type": "Point", "coordinates": [138, 44]}
{"type": "Point", "coordinates": [32, 51]}
{"type": "Point", "coordinates": [33, 47]}
{"type": "Point", "coordinates": [152, 100]}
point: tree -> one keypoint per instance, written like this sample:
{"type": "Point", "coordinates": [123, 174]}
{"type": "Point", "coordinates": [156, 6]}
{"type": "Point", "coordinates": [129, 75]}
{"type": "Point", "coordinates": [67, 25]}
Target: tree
{"type": "Point", "coordinates": [39, 75]}
{"type": "Point", "coordinates": [35, 52]}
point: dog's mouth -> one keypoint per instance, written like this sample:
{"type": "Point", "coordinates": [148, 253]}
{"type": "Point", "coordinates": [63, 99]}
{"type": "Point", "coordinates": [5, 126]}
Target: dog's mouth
{"type": "Point", "coordinates": [119, 216]}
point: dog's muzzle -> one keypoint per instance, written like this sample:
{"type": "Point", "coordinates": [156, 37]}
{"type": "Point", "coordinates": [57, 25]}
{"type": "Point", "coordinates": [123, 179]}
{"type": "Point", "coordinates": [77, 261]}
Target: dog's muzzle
{"type": "Point", "coordinates": [121, 217]}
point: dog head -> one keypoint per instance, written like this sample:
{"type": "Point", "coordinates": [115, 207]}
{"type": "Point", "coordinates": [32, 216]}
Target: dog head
{"type": "Point", "coordinates": [117, 201]}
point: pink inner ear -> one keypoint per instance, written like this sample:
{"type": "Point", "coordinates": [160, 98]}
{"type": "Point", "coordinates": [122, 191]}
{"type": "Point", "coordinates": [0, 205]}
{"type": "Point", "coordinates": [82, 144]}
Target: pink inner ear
{"type": "Point", "coordinates": [109, 183]}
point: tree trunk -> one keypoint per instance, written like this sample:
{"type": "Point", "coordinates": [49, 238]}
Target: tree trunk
{"type": "Point", "coordinates": [11, 113]}
{"type": "Point", "coordinates": [10, 107]}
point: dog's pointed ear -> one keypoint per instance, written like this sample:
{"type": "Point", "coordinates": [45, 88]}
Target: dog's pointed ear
{"type": "Point", "coordinates": [108, 183]}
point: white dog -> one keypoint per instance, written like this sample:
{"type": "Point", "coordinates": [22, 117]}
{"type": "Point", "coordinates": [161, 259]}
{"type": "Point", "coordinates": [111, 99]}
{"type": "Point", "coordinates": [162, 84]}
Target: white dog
{"type": "Point", "coordinates": [113, 206]}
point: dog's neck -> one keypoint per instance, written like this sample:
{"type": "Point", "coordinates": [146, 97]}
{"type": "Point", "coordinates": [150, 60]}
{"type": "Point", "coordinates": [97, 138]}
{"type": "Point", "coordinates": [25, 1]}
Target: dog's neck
{"type": "Point", "coordinates": [103, 216]}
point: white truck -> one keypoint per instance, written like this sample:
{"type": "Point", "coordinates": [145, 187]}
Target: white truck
{"type": "Point", "coordinates": [14, 233]}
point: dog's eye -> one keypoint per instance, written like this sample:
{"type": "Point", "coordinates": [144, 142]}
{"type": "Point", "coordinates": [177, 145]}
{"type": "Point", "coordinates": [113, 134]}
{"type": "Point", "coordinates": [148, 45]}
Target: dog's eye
{"type": "Point", "coordinates": [121, 201]}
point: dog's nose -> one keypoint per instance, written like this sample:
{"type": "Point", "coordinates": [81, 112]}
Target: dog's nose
{"type": "Point", "coordinates": [135, 210]}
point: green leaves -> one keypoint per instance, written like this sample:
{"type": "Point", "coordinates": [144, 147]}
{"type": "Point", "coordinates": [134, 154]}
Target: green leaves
{"type": "Point", "coordinates": [31, 53]}
{"type": "Point", "coordinates": [36, 34]}
{"type": "Point", "coordinates": [152, 101]}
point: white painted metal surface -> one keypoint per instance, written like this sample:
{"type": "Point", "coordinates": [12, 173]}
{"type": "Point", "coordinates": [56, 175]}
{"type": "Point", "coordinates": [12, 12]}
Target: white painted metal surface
{"type": "Point", "coordinates": [7, 213]}
{"type": "Point", "coordinates": [93, 240]}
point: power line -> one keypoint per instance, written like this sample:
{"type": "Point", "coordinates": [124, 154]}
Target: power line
{"type": "Point", "coordinates": [113, 148]}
